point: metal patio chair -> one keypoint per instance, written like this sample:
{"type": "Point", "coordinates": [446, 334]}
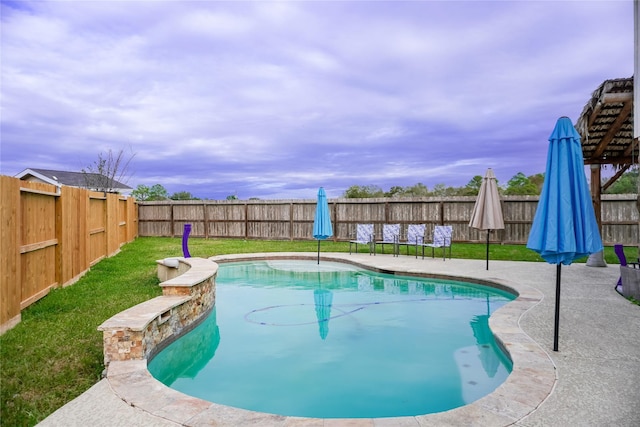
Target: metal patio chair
{"type": "Point", "coordinates": [390, 236]}
{"type": "Point", "coordinates": [442, 237]}
{"type": "Point", "coordinates": [364, 236]}
{"type": "Point", "coordinates": [415, 237]}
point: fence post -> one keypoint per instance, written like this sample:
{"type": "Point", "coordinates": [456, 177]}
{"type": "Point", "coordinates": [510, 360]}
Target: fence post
{"type": "Point", "coordinates": [61, 237]}
{"type": "Point", "coordinates": [205, 218]}
{"type": "Point", "coordinates": [246, 221]}
{"type": "Point", "coordinates": [172, 225]}
{"type": "Point", "coordinates": [291, 221]}
{"type": "Point", "coordinates": [335, 221]}
{"type": "Point", "coordinates": [10, 274]}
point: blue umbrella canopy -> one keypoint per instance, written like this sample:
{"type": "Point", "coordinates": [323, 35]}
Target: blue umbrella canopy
{"type": "Point", "coordinates": [564, 227]}
{"type": "Point", "coordinates": [322, 228]}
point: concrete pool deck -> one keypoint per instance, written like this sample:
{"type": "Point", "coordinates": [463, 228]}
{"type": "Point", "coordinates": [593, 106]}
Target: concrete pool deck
{"type": "Point", "coordinates": [593, 379]}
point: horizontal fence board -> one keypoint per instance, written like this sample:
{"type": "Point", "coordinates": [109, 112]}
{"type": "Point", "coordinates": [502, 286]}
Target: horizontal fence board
{"type": "Point", "coordinates": [40, 245]}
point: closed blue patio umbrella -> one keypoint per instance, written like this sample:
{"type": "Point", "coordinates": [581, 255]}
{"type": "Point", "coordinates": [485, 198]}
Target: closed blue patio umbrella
{"type": "Point", "coordinates": [322, 228]}
{"type": "Point", "coordinates": [564, 227]}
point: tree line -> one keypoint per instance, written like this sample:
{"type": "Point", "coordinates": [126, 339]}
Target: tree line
{"type": "Point", "coordinates": [518, 185]}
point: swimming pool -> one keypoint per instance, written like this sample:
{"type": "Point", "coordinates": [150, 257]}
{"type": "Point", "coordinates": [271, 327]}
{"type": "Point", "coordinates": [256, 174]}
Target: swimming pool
{"type": "Point", "coordinates": [335, 341]}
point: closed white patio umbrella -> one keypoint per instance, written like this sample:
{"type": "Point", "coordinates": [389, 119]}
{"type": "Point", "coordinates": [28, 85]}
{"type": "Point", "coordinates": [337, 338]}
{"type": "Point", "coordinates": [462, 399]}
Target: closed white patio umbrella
{"type": "Point", "coordinates": [487, 212]}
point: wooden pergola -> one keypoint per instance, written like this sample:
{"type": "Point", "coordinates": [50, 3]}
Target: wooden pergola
{"type": "Point", "coordinates": [606, 129]}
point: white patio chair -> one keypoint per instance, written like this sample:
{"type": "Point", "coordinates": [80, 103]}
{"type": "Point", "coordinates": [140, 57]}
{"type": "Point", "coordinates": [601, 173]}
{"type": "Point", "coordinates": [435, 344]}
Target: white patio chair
{"type": "Point", "coordinates": [390, 236]}
{"type": "Point", "coordinates": [364, 236]}
{"type": "Point", "coordinates": [415, 237]}
{"type": "Point", "coordinates": [442, 237]}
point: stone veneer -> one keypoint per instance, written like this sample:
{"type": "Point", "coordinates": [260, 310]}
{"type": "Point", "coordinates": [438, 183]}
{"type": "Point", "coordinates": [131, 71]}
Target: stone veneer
{"type": "Point", "coordinates": [188, 295]}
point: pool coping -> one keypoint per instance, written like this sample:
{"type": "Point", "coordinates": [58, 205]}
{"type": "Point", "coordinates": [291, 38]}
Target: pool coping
{"type": "Point", "coordinates": [532, 380]}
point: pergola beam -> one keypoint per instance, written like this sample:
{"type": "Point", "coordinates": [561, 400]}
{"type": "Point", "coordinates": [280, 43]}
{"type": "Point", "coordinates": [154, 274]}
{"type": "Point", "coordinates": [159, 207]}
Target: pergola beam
{"type": "Point", "coordinates": [613, 129]}
{"type": "Point", "coordinates": [631, 148]}
{"type": "Point", "coordinates": [609, 160]}
{"type": "Point", "coordinates": [617, 98]}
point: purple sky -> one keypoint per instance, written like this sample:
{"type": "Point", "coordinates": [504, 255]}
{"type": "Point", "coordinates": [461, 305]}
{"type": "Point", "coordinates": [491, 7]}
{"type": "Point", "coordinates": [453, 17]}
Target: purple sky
{"type": "Point", "coordinates": [274, 99]}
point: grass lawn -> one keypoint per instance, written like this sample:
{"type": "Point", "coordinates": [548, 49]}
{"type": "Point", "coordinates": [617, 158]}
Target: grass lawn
{"type": "Point", "coordinates": [55, 353]}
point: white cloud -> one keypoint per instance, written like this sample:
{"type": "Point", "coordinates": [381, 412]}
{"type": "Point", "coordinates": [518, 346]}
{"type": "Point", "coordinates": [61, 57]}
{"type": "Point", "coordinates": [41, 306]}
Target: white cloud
{"type": "Point", "coordinates": [206, 23]}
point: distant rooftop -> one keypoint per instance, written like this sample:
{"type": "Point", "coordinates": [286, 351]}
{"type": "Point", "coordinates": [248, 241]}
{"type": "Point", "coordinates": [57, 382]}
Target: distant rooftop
{"type": "Point", "coordinates": [91, 181]}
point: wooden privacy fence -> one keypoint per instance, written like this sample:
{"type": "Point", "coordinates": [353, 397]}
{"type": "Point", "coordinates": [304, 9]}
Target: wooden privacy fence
{"type": "Point", "coordinates": [51, 236]}
{"type": "Point", "coordinates": [293, 219]}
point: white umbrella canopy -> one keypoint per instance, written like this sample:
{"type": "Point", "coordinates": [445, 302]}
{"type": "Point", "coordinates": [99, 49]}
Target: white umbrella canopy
{"type": "Point", "coordinates": [487, 212]}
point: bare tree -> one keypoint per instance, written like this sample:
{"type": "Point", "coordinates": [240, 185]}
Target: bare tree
{"type": "Point", "coordinates": [108, 169]}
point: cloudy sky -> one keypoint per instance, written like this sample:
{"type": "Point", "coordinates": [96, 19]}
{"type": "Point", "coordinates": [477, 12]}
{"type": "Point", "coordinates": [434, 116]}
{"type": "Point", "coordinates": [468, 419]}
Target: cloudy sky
{"type": "Point", "coordinates": [272, 99]}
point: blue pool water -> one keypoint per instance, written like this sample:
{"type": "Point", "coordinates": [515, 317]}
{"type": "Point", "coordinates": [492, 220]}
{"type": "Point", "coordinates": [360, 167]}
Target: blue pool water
{"type": "Point", "coordinates": [333, 341]}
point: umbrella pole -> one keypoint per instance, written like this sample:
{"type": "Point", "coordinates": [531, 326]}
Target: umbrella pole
{"type": "Point", "coordinates": [488, 231]}
{"type": "Point", "coordinates": [557, 319]}
{"type": "Point", "coordinates": [318, 251]}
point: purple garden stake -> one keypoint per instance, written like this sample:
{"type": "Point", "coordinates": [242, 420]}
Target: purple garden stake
{"type": "Point", "coordinates": [185, 240]}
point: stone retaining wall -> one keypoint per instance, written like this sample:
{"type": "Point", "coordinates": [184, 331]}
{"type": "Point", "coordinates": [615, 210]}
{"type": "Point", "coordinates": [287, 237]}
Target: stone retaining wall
{"type": "Point", "coordinates": [187, 297]}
